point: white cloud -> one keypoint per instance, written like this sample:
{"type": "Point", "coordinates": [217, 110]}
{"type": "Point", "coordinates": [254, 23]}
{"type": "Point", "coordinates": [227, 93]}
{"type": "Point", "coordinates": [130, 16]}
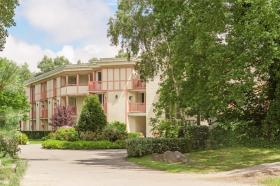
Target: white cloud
{"type": "Point", "coordinates": [70, 20]}
{"type": "Point", "coordinates": [20, 52]}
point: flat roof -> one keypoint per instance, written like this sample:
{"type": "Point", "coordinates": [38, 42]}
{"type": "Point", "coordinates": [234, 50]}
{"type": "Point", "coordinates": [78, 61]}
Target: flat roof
{"type": "Point", "coordinates": [78, 67]}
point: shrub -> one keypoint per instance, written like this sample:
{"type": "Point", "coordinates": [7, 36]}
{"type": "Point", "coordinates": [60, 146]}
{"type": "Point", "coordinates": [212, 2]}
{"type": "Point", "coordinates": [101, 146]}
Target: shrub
{"type": "Point", "coordinates": [36, 134]}
{"type": "Point", "coordinates": [22, 138]}
{"type": "Point", "coordinates": [197, 134]}
{"type": "Point", "coordinates": [166, 128]}
{"type": "Point", "coordinates": [115, 131]}
{"type": "Point", "coordinates": [92, 117]}
{"type": "Point", "coordinates": [78, 145]}
{"type": "Point", "coordinates": [144, 146]}
{"type": "Point", "coordinates": [65, 134]}
{"type": "Point", "coordinates": [91, 136]}
{"type": "Point", "coordinates": [132, 135]}
{"type": "Point", "coordinates": [8, 144]}
{"type": "Point", "coordinates": [62, 117]}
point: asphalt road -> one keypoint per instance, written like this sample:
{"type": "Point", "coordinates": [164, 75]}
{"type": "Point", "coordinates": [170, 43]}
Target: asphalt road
{"type": "Point", "coordinates": [101, 168]}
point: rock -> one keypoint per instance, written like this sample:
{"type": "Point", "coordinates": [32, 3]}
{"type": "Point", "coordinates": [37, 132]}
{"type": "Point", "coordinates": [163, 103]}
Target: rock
{"type": "Point", "coordinates": [170, 157]}
{"type": "Point", "coordinates": [157, 157]}
{"type": "Point", "coordinates": [173, 157]}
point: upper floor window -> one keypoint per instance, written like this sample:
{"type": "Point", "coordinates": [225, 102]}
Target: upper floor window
{"type": "Point", "coordinates": [98, 76]}
{"type": "Point", "coordinates": [72, 80]}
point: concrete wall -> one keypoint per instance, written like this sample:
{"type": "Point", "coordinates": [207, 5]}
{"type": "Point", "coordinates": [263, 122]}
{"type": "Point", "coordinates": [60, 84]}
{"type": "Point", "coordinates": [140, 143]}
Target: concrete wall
{"type": "Point", "coordinates": [151, 98]}
{"type": "Point", "coordinates": [116, 107]}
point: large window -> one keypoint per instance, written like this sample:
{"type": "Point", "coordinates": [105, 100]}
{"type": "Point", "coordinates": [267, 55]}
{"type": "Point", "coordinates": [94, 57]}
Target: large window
{"type": "Point", "coordinates": [72, 80]}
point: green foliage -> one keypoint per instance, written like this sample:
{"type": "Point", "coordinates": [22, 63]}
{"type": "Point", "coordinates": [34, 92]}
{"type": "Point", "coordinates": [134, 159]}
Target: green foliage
{"type": "Point", "coordinates": [114, 131]}
{"type": "Point", "coordinates": [79, 145]}
{"type": "Point", "coordinates": [22, 138]}
{"type": "Point", "coordinates": [64, 134]}
{"type": "Point", "coordinates": [197, 134]}
{"type": "Point", "coordinates": [166, 128]}
{"type": "Point", "coordinates": [92, 117]}
{"type": "Point", "coordinates": [91, 136]}
{"type": "Point", "coordinates": [133, 135]}
{"type": "Point", "coordinates": [6, 16]}
{"type": "Point", "coordinates": [223, 66]}
{"type": "Point", "coordinates": [36, 134]}
{"type": "Point", "coordinates": [144, 146]}
{"type": "Point", "coordinates": [47, 64]}
{"type": "Point", "coordinates": [8, 144]}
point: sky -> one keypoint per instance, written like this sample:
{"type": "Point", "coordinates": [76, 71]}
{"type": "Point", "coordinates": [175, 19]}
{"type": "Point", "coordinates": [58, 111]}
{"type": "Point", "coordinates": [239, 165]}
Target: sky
{"type": "Point", "coordinates": [76, 29]}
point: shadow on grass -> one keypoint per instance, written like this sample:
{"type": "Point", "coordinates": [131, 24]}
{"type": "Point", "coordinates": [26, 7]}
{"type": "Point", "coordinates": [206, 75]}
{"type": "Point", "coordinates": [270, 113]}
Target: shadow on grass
{"type": "Point", "coordinates": [225, 159]}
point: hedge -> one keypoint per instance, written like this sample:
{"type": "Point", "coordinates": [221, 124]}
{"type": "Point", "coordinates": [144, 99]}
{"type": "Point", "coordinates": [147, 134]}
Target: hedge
{"type": "Point", "coordinates": [144, 146]}
{"type": "Point", "coordinates": [79, 145]}
{"type": "Point", "coordinates": [36, 134]}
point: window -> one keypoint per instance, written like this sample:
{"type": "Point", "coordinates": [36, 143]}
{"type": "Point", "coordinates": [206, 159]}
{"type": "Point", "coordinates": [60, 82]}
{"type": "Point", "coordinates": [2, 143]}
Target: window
{"type": "Point", "coordinates": [72, 80]}
{"type": "Point", "coordinates": [72, 101]}
{"type": "Point", "coordinates": [99, 76]}
{"type": "Point", "coordinates": [142, 98]}
{"type": "Point", "coordinates": [101, 98]}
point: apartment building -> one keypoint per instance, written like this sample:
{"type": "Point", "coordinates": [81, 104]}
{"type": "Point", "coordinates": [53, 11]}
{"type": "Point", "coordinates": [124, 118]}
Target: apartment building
{"type": "Point", "coordinates": [123, 95]}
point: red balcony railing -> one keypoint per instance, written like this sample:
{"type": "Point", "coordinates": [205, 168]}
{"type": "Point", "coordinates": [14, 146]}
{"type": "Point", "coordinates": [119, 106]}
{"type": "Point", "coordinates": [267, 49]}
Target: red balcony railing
{"type": "Point", "coordinates": [137, 107]}
{"type": "Point", "coordinates": [43, 95]}
{"type": "Point", "coordinates": [44, 113]}
{"type": "Point", "coordinates": [95, 85]}
{"type": "Point", "coordinates": [138, 84]}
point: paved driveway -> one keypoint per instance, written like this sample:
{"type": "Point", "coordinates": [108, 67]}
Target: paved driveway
{"type": "Point", "coordinates": [100, 168]}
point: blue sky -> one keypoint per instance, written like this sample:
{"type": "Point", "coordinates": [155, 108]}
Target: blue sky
{"type": "Point", "coordinates": [76, 29]}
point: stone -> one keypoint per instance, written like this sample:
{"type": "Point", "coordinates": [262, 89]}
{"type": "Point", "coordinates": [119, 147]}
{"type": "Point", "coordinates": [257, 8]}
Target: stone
{"type": "Point", "coordinates": [170, 157]}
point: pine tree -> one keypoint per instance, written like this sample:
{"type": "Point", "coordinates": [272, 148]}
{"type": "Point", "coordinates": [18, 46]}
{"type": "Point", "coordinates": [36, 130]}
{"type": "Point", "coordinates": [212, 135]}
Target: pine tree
{"type": "Point", "coordinates": [92, 117]}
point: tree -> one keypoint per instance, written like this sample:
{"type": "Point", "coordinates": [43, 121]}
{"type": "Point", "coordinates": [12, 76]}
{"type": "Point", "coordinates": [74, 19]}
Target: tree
{"type": "Point", "coordinates": [6, 19]}
{"type": "Point", "coordinates": [92, 117]}
{"type": "Point", "coordinates": [93, 60]}
{"type": "Point", "coordinates": [13, 101]}
{"type": "Point", "coordinates": [62, 117]}
{"type": "Point", "coordinates": [210, 53]}
{"type": "Point", "coordinates": [47, 64]}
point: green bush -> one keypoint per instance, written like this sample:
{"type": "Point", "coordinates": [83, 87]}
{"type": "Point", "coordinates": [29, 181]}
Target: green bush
{"type": "Point", "coordinates": [144, 146]}
{"type": "Point", "coordinates": [92, 117]}
{"type": "Point", "coordinates": [197, 134]}
{"type": "Point", "coordinates": [8, 144]}
{"type": "Point", "coordinates": [115, 131]}
{"type": "Point", "coordinates": [65, 134]}
{"type": "Point", "coordinates": [91, 136]}
{"type": "Point", "coordinates": [132, 135]}
{"type": "Point", "coordinates": [36, 134]}
{"type": "Point", "coordinates": [21, 138]}
{"type": "Point", "coordinates": [79, 145]}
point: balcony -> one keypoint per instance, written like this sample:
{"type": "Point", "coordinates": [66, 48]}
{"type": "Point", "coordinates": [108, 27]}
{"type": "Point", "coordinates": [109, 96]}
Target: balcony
{"type": "Point", "coordinates": [43, 95]}
{"type": "Point", "coordinates": [44, 113]}
{"type": "Point", "coordinates": [33, 114]}
{"type": "Point", "coordinates": [137, 107]}
{"type": "Point", "coordinates": [95, 85]}
{"type": "Point", "coordinates": [138, 84]}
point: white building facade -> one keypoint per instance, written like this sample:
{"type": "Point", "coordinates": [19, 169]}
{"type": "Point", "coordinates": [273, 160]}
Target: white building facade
{"type": "Point", "coordinates": [123, 95]}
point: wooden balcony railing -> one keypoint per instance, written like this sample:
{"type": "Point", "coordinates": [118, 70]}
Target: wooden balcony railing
{"type": "Point", "coordinates": [115, 85]}
{"type": "Point", "coordinates": [137, 107]}
{"type": "Point", "coordinates": [138, 84]}
{"type": "Point", "coordinates": [43, 95]}
{"type": "Point", "coordinates": [95, 85]}
{"type": "Point", "coordinates": [44, 113]}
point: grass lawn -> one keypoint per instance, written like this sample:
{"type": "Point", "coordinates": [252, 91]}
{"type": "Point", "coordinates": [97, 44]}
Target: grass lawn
{"type": "Point", "coordinates": [216, 160]}
{"type": "Point", "coordinates": [35, 141]}
{"type": "Point", "coordinates": [272, 181]}
{"type": "Point", "coordinates": [11, 171]}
